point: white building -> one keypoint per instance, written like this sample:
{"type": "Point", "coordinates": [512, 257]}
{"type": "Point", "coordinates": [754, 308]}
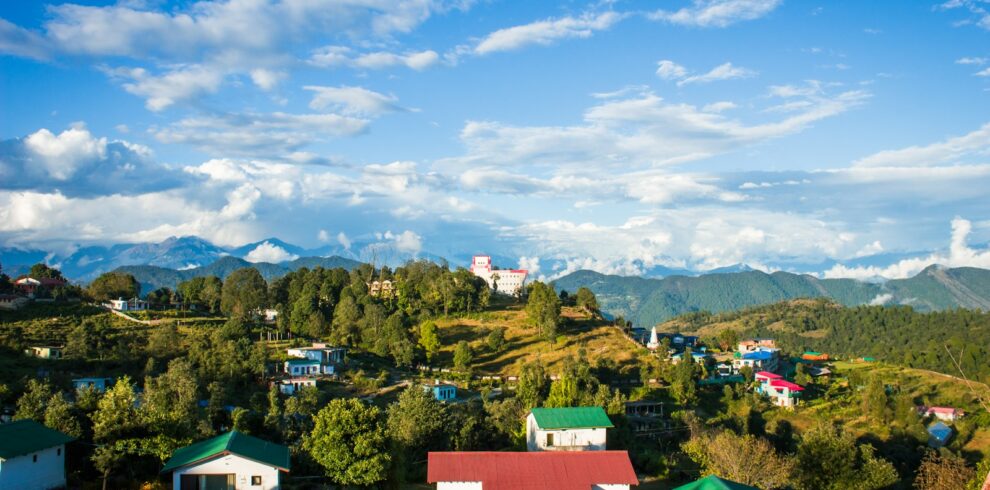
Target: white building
{"type": "Point", "coordinates": [567, 429]}
{"type": "Point", "coordinates": [504, 281]}
{"type": "Point", "coordinates": [654, 342]}
{"type": "Point", "coordinates": [133, 304]}
{"type": "Point", "coordinates": [597, 470]}
{"type": "Point", "coordinates": [291, 386]}
{"type": "Point", "coordinates": [44, 351]}
{"type": "Point", "coordinates": [320, 352]}
{"type": "Point", "coordinates": [782, 393]}
{"type": "Point", "coordinates": [12, 302]}
{"type": "Point", "coordinates": [231, 460]}
{"type": "Point", "coordinates": [32, 456]}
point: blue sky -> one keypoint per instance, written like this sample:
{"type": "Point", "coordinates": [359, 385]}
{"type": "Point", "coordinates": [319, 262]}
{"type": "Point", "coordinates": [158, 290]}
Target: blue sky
{"type": "Point", "coordinates": [616, 136]}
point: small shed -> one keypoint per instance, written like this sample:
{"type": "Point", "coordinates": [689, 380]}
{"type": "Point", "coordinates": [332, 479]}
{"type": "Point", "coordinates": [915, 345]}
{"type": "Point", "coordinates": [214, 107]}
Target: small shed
{"type": "Point", "coordinates": [939, 434]}
{"type": "Point", "coordinates": [442, 391]}
{"type": "Point", "coordinates": [231, 460]}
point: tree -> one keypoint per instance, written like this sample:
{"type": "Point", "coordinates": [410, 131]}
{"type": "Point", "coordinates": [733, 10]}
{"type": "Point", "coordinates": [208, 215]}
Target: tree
{"type": "Point", "coordinates": [416, 424]}
{"type": "Point", "coordinates": [727, 339]}
{"type": "Point", "coordinates": [563, 393]}
{"type": "Point", "coordinates": [164, 340]}
{"type": "Point", "coordinates": [543, 309]}
{"type": "Point", "coordinates": [60, 415]}
{"type": "Point", "coordinates": [33, 403]}
{"type": "Point", "coordinates": [745, 459]}
{"type": "Point", "coordinates": [346, 316]}
{"type": "Point", "coordinates": [429, 339]}
{"type": "Point", "coordinates": [830, 459]}
{"type": "Point", "coordinates": [244, 292]}
{"type": "Point", "coordinates": [586, 300]}
{"type": "Point", "coordinates": [496, 339]}
{"type": "Point", "coordinates": [348, 440]}
{"type": "Point", "coordinates": [115, 416]}
{"type": "Point", "coordinates": [113, 285]}
{"type": "Point", "coordinates": [463, 356]}
{"type": "Point", "coordinates": [170, 402]}
{"type": "Point", "coordinates": [533, 384]}
{"type": "Point", "coordinates": [40, 271]}
{"type": "Point", "coordinates": [801, 375]}
{"type": "Point", "coordinates": [942, 472]}
{"type": "Point", "coordinates": [875, 399]}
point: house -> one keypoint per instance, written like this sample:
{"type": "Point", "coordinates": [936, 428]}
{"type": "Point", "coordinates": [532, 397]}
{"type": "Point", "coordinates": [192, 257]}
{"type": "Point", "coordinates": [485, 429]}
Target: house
{"type": "Point", "coordinates": [381, 289]}
{"type": "Point", "coordinates": [712, 482]}
{"type": "Point", "coordinates": [756, 344]}
{"type": "Point", "coordinates": [231, 460]}
{"type": "Point", "coordinates": [32, 456]}
{"type": "Point", "coordinates": [679, 341]}
{"type": "Point", "coordinates": [299, 367]}
{"type": "Point", "coordinates": [99, 384]}
{"type": "Point", "coordinates": [133, 304]}
{"type": "Point", "coordinates": [45, 351]}
{"type": "Point", "coordinates": [442, 391]}
{"type": "Point", "coordinates": [644, 408]}
{"type": "Point", "coordinates": [483, 470]}
{"type": "Point", "coordinates": [783, 393]}
{"type": "Point", "coordinates": [758, 360]}
{"type": "Point", "coordinates": [291, 386]}
{"type": "Point", "coordinates": [939, 434]}
{"type": "Point", "coordinates": [567, 429]}
{"type": "Point", "coordinates": [504, 281]}
{"type": "Point", "coordinates": [30, 285]}
{"type": "Point", "coordinates": [698, 357]}
{"type": "Point", "coordinates": [814, 356]}
{"type": "Point", "coordinates": [947, 414]}
{"type": "Point", "coordinates": [328, 357]}
{"type": "Point", "coordinates": [11, 302]}
{"type": "Point", "coordinates": [269, 315]}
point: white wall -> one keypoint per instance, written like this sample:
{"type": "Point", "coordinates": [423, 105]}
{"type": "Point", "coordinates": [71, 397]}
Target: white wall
{"type": "Point", "coordinates": [243, 468]}
{"type": "Point", "coordinates": [22, 473]}
{"type": "Point", "coordinates": [610, 487]}
{"type": "Point", "coordinates": [459, 485]}
{"type": "Point", "coordinates": [563, 440]}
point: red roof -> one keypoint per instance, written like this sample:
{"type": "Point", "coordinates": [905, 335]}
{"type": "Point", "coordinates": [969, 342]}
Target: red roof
{"type": "Point", "coordinates": [941, 410]}
{"type": "Point", "coordinates": [564, 470]}
{"type": "Point", "coordinates": [768, 374]}
{"type": "Point", "coordinates": [780, 383]}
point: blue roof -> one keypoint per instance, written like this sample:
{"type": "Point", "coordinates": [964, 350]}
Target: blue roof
{"type": "Point", "coordinates": [940, 431]}
{"type": "Point", "coordinates": [760, 355]}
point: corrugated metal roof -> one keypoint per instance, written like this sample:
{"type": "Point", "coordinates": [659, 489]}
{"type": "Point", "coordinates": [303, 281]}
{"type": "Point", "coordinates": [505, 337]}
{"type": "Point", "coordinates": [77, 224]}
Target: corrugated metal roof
{"type": "Point", "coordinates": [235, 443]}
{"type": "Point", "coordinates": [561, 470]}
{"type": "Point", "coordinates": [712, 482]}
{"type": "Point", "coordinates": [27, 436]}
{"type": "Point", "coordinates": [940, 431]}
{"type": "Point", "coordinates": [769, 375]}
{"type": "Point", "coordinates": [780, 383]}
{"type": "Point", "coordinates": [571, 418]}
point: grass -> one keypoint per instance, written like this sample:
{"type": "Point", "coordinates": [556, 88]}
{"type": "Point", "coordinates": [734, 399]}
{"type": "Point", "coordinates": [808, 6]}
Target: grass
{"type": "Point", "coordinates": [597, 338]}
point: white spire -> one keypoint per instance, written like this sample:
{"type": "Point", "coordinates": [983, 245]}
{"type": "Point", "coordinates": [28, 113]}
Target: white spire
{"type": "Point", "coordinates": [654, 343]}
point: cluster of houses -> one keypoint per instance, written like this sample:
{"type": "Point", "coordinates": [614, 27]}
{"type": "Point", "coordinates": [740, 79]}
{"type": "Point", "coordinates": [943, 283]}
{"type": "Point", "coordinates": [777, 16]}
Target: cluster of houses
{"type": "Point", "coordinates": [306, 364]}
{"type": "Point", "coordinates": [939, 431]}
{"type": "Point", "coordinates": [26, 289]}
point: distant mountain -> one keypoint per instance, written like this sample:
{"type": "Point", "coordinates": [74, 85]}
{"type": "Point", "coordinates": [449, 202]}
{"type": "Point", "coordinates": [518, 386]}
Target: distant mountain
{"type": "Point", "coordinates": [650, 301]}
{"type": "Point", "coordinates": [154, 277]}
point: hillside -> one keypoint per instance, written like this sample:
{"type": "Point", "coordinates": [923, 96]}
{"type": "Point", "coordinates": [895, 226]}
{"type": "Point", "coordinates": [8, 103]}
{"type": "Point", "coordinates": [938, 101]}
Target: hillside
{"type": "Point", "coordinates": [650, 301]}
{"type": "Point", "coordinates": [153, 277]}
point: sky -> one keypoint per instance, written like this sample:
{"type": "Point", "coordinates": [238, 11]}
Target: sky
{"type": "Point", "coordinates": [843, 138]}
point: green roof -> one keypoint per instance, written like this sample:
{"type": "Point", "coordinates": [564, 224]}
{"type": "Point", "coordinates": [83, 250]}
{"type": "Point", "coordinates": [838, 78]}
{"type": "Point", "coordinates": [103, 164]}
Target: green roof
{"type": "Point", "coordinates": [812, 353]}
{"type": "Point", "coordinates": [571, 418]}
{"type": "Point", "coordinates": [712, 482]}
{"type": "Point", "coordinates": [232, 442]}
{"type": "Point", "coordinates": [26, 437]}
{"type": "Point", "coordinates": [299, 360]}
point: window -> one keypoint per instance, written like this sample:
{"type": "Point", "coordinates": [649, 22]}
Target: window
{"type": "Point", "coordinates": [549, 440]}
{"type": "Point", "coordinates": [34, 458]}
{"type": "Point", "coordinates": [256, 480]}
{"type": "Point", "coordinates": [58, 452]}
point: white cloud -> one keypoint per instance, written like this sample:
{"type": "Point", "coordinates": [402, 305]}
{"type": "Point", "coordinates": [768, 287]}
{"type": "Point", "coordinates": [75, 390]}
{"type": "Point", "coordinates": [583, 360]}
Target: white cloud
{"type": "Point", "coordinates": [959, 254]}
{"type": "Point", "coordinates": [725, 71]}
{"type": "Point", "coordinates": [721, 106]}
{"type": "Point", "coordinates": [62, 154]}
{"type": "Point", "coordinates": [977, 8]}
{"type": "Point", "coordinates": [17, 41]}
{"type": "Point", "coordinates": [268, 252]}
{"type": "Point", "coordinates": [545, 32]}
{"type": "Point", "coordinates": [175, 85]}
{"type": "Point", "coordinates": [323, 236]}
{"type": "Point", "coordinates": [267, 79]}
{"type": "Point", "coordinates": [971, 60]}
{"type": "Point", "coordinates": [717, 13]}
{"type": "Point", "coordinates": [343, 240]}
{"type": "Point", "coordinates": [333, 56]}
{"type": "Point", "coordinates": [352, 101]}
{"type": "Point", "coordinates": [668, 70]}
{"type": "Point", "coordinates": [983, 73]}
{"type": "Point", "coordinates": [974, 144]}
{"type": "Point", "coordinates": [531, 265]}
{"type": "Point", "coordinates": [881, 299]}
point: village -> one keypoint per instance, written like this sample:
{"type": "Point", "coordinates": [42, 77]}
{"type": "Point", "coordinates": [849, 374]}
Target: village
{"type": "Point", "coordinates": [566, 445]}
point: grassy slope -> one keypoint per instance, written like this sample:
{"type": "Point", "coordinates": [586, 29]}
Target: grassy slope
{"type": "Point", "coordinates": [598, 340]}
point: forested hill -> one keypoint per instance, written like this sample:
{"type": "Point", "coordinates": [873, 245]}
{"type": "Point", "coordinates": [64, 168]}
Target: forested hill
{"type": "Point", "coordinates": [152, 277]}
{"type": "Point", "coordinates": [898, 334]}
{"type": "Point", "coordinates": [650, 301]}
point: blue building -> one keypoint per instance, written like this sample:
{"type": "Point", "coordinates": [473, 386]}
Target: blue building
{"type": "Point", "coordinates": [442, 391]}
{"type": "Point", "coordinates": [939, 435]}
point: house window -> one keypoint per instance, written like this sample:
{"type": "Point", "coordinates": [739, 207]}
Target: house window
{"type": "Point", "coordinates": [58, 452]}
{"type": "Point", "coordinates": [549, 440]}
{"type": "Point", "coordinates": [34, 458]}
{"type": "Point", "coordinates": [256, 480]}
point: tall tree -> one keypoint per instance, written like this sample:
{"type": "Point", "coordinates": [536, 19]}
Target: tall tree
{"type": "Point", "coordinates": [33, 403]}
{"type": "Point", "coordinates": [429, 339]}
{"type": "Point", "coordinates": [348, 439]}
{"type": "Point", "coordinates": [943, 472]}
{"type": "Point", "coordinates": [533, 384]}
{"type": "Point", "coordinates": [416, 424]}
{"type": "Point", "coordinates": [586, 300]}
{"type": "Point", "coordinates": [830, 459]}
{"type": "Point", "coordinates": [346, 318]}
{"type": "Point", "coordinates": [463, 356]}
{"type": "Point", "coordinates": [543, 309]}
{"type": "Point", "coordinates": [244, 292]}
{"type": "Point", "coordinates": [61, 416]}
{"type": "Point", "coordinates": [746, 459]}
{"type": "Point", "coordinates": [113, 285]}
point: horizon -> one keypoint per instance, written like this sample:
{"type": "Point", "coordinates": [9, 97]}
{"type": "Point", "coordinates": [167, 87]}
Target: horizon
{"type": "Point", "coordinates": [837, 139]}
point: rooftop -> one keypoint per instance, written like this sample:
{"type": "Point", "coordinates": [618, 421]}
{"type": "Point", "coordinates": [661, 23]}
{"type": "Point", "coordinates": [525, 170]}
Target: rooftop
{"type": "Point", "coordinates": [760, 355]}
{"type": "Point", "coordinates": [768, 374]}
{"type": "Point", "coordinates": [300, 360]}
{"type": "Point", "coordinates": [780, 383]}
{"type": "Point", "coordinates": [532, 471]}
{"type": "Point", "coordinates": [712, 482]}
{"type": "Point", "coordinates": [232, 442]}
{"type": "Point", "coordinates": [27, 436]}
{"type": "Point", "coordinates": [571, 418]}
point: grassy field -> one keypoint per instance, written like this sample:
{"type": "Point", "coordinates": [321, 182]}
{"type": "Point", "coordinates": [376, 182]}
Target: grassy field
{"type": "Point", "coordinates": [598, 340]}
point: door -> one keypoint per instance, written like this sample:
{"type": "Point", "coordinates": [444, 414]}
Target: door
{"type": "Point", "coordinates": [550, 439]}
{"type": "Point", "coordinates": [206, 482]}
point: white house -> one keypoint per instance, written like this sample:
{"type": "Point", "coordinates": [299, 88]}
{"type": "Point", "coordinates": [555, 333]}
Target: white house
{"type": "Point", "coordinates": [600, 470]}
{"type": "Point", "coordinates": [301, 367]}
{"type": "Point", "coordinates": [291, 386]}
{"type": "Point", "coordinates": [567, 429]}
{"type": "Point", "coordinates": [328, 357]}
{"type": "Point", "coordinates": [504, 281]}
{"type": "Point", "coordinates": [133, 304]}
{"type": "Point", "coordinates": [231, 460]}
{"type": "Point", "coordinates": [12, 302]}
{"type": "Point", "coordinates": [782, 393]}
{"type": "Point", "coordinates": [44, 351]}
{"type": "Point", "coordinates": [947, 414]}
{"type": "Point", "coordinates": [32, 456]}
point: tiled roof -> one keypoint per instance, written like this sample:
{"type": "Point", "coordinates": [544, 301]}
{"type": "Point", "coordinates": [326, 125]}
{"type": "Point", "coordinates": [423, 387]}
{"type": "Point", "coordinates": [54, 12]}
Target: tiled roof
{"type": "Point", "coordinates": [232, 442]}
{"type": "Point", "coordinates": [768, 374]}
{"type": "Point", "coordinates": [562, 470]}
{"type": "Point", "coordinates": [27, 436]}
{"type": "Point", "coordinates": [571, 418]}
{"type": "Point", "coordinates": [780, 383]}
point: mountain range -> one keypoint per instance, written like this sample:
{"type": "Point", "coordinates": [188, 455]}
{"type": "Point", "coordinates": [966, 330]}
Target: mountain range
{"type": "Point", "coordinates": [647, 301]}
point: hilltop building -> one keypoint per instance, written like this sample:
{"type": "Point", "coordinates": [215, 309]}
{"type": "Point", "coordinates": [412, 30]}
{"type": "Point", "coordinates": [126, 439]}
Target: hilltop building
{"type": "Point", "coordinates": [133, 304]}
{"type": "Point", "coordinates": [29, 286]}
{"type": "Point", "coordinates": [783, 393]}
{"type": "Point", "coordinates": [231, 460]}
{"type": "Point", "coordinates": [442, 391]}
{"type": "Point", "coordinates": [481, 470]}
{"type": "Point", "coordinates": [567, 429]}
{"type": "Point", "coordinates": [503, 281]}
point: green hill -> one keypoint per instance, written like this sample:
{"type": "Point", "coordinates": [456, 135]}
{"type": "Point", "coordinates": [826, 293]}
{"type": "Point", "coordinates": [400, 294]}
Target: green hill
{"type": "Point", "coordinates": [651, 301]}
{"type": "Point", "coordinates": [152, 277]}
